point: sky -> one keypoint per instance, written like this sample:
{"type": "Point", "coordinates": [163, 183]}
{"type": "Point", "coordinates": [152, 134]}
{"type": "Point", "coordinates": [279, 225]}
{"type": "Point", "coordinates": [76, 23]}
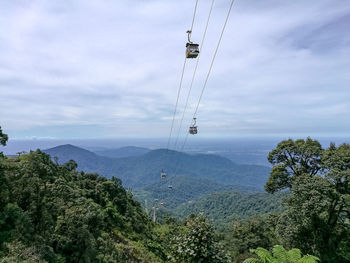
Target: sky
{"type": "Point", "coordinates": [111, 68]}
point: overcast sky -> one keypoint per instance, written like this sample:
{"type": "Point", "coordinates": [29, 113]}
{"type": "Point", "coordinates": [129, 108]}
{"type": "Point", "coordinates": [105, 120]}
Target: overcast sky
{"type": "Point", "coordinates": [111, 68]}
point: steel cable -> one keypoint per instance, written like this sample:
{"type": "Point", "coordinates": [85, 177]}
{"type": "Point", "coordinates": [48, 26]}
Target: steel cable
{"type": "Point", "coordinates": [194, 73]}
{"type": "Point", "coordinates": [180, 86]}
{"type": "Point", "coordinates": [208, 74]}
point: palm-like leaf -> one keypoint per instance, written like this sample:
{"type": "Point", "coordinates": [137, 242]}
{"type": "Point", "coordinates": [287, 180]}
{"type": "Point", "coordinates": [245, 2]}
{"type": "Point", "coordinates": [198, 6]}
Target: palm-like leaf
{"type": "Point", "coordinates": [309, 259]}
{"type": "Point", "coordinates": [264, 255]}
{"type": "Point", "coordinates": [294, 255]}
{"type": "Point", "coordinates": [252, 260]}
{"type": "Point", "coordinates": [280, 253]}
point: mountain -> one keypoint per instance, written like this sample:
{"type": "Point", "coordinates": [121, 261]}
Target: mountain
{"type": "Point", "coordinates": [222, 206]}
{"type": "Point", "coordinates": [184, 189]}
{"type": "Point", "coordinates": [140, 171]}
{"type": "Point", "coordinates": [123, 152]}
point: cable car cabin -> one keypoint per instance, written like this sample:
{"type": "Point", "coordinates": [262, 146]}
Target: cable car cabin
{"type": "Point", "coordinates": [193, 130]}
{"type": "Point", "coordinates": [163, 175]}
{"type": "Point", "coordinates": [192, 50]}
{"type": "Point", "coordinates": [170, 187]}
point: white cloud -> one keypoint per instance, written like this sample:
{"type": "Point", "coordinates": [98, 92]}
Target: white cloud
{"type": "Point", "coordinates": [282, 67]}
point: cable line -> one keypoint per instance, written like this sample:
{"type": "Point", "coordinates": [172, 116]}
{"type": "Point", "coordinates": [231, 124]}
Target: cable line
{"type": "Point", "coordinates": [180, 86]}
{"type": "Point", "coordinates": [206, 80]}
{"type": "Point", "coordinates": [194, 74]}
{"type": "Point", "coordinates": [212, 62]}
{"type": "Point", "coordinates": [163, 173]}
{"type": "Point", "coordinates": [194, 14]}
{"type": "Point", "coordinates": [177, 102]}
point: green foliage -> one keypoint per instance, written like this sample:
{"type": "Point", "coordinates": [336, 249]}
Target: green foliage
{"type": "Point", "coordinates": [185, 189]}
{"type": "Point", "coordinates": [50, 212]}
{"type": "Point", "coordinates": [317, 213]}
{"type": "Point", "coordinates": [257, 231]}
{"type": "Point", "coordinates": [197, 243]}
{"type": "Point", "coordinates": [53, 213]}
{"type": "Point", "coordinates": [292, 159]}
{"type": "Point", "coordinates": [222, 206]}
{"type": "Point", "coordinates": [19, 253]}
{"type": "Point", "coordinates": [3, 138]}
{"type": "Point", "coordinates": [280, 255]}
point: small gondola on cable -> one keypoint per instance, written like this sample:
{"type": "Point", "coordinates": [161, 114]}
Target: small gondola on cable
{"type": "Point", "coordinates": [193, 128]}
{"type": "Point", "coordinates": [192, 49]}
{"type": "Point", "coordinates": [163, 174]}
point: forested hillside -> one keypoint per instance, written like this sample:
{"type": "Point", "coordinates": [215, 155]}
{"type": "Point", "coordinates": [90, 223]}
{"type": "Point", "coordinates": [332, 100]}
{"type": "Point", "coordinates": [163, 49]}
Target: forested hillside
{"type": "Point", "coordinates": [52, 212]}
{"type": "Point", "coordinates": [128, 151]}
{"type": "Point", "coordinates": [144, 170]}
{"type": "Point", "coordinates": [184, 189]}
{"type": "Point", "coordinates": [222, 207]}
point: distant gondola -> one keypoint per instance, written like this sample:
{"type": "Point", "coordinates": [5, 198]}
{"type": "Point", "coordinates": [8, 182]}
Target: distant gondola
{"type": "Point", "coordinates": [163, 174]}
{"type": "Point", "coordinates": [193, 128]}
{"type": "Point", "coordinates": [192, 49]}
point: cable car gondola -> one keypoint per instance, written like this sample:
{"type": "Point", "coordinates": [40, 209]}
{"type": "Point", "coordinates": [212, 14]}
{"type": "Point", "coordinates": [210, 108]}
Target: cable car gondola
{"type": "Point", "coordinates": [193, 128]}
{"type": "Point", "coordinates": [192, 49]}
{"type": "Point", "coordinates": [163, 174]}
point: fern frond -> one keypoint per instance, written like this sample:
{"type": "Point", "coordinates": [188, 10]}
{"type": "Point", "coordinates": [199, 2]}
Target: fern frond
{"type": "Point", "coordinates": [252, 260]}
{"type": "Point", "coordinates": [294, 255]}
{"type": "Point", "coordinates": [309, 259]}
{"type": "Point", "coordinates": [280, 253]}
{"type": "Point", "coordinates": [263, 254]}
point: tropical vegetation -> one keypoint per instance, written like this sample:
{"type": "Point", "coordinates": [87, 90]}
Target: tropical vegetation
{"type": "Point", "coordinates": [52, 212]}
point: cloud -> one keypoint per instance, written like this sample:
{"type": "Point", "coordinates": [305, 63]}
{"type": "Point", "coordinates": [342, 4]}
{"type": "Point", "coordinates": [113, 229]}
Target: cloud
{"type": "Point", "coordinates": [115, 66]}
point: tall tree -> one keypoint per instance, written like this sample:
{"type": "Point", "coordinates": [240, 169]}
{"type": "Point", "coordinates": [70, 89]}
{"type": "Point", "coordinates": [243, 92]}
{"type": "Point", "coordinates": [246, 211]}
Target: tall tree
{"type": "Point", "coordinates": [317, 214]}
{"type": "Point", "coordinates": [292, 159]}
{"type": "Point", "coordinates": [197, 243]}
{"type": "Point", "coordinates": [3, 138]}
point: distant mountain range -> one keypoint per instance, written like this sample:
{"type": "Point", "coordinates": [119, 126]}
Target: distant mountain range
{"type": "Point", "coordinates": [128, 151]}
{"type": "Point", "coordinates": [200, 182]}
{"type": "Point", "coordinates": [144, 169]}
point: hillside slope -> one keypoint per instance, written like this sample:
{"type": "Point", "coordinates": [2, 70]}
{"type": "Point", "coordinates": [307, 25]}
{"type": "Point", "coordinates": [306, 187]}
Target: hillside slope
{"type": "Point", "coordinates": [144, 170]}
{"type": "Point", "coordinates": [184, 189]}
{"type": "Point", "coordinates": [122, 152]}
{"type": "Point", "coordinates": [224, 205]}
{"type": "Point", "coordinates": [53, 213]}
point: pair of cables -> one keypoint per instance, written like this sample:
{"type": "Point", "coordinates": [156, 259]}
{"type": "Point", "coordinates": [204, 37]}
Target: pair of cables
{"type": "Point", "coordinates": [181, 148]}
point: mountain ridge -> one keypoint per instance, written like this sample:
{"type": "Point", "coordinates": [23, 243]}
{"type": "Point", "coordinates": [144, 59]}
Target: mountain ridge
{"type": "Point", "coordinates": [143, 170]}
{"type": "Point", "coordinates": [127, 151]}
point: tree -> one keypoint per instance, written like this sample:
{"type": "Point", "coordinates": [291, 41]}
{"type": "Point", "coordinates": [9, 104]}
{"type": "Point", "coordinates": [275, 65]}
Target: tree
{"type": "Point", "coordinates": [3, 138]}
{"type": "Point", "coordinates": [18, 252]}
{"type": "Point", "coordinates": [280, 255]}
{"type": "Point", "coordinates": [292, 159]}
{"type": "Point", "coordinates": [318, 210]}
{"type": "Point", "coordinates": [197, 243]}
{"type": "Point", "coordinates": [54, 213]}
{"type": "Point", "coordinates": [257, 231]}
